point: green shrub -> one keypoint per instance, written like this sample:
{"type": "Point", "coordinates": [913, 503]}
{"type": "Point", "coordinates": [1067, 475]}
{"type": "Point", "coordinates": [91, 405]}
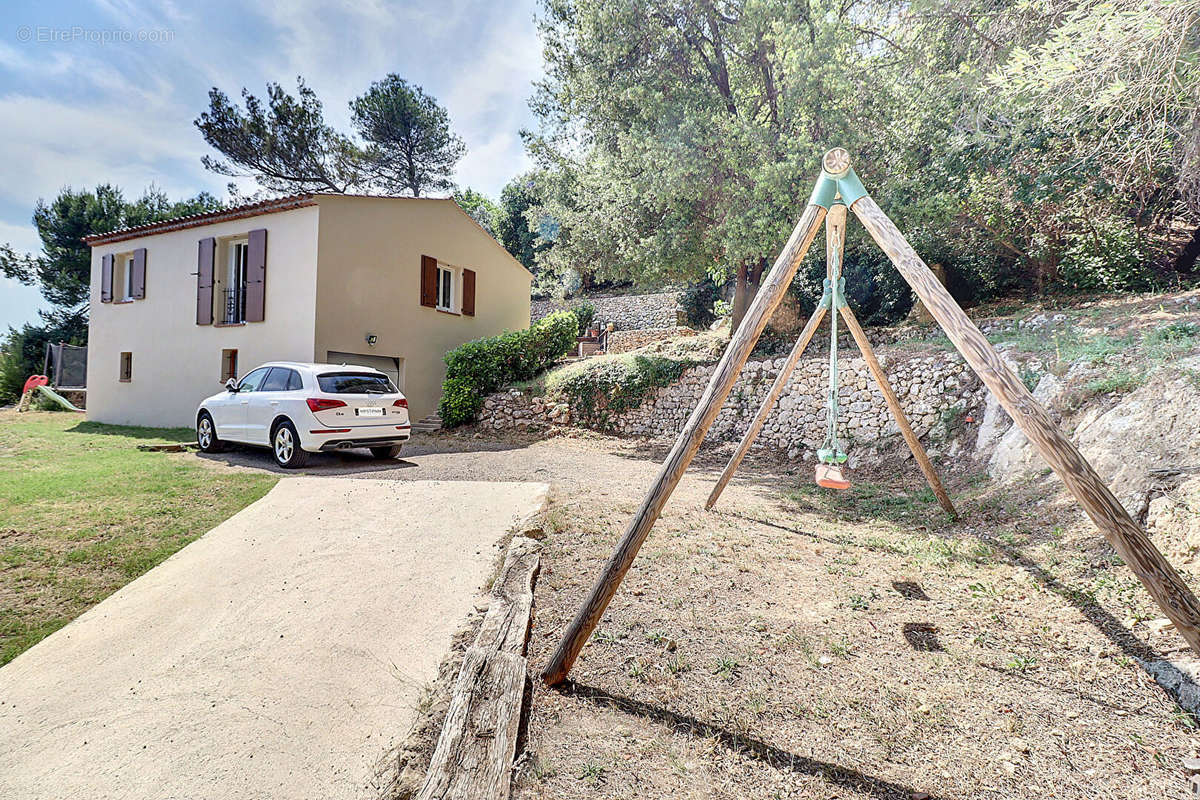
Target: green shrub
{"type": "Point", "coordinates": [697, 304]}
{"type": "Point", "coordinates": [1107, 256]}
{"type": "Point", "coordinates": [585, 313]}
{"type": "Point", "coordinates": [601, 388]}
{"type": "Point", "coordinates": [460, 402]}
{"type": "Point", "coordinates": [483, 366]}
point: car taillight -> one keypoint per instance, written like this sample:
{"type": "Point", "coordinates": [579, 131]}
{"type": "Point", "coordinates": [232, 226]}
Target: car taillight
{"type": "Point", "coordinates": [401, 403]}
{"type": "Point", "coordinates": [316, 404]}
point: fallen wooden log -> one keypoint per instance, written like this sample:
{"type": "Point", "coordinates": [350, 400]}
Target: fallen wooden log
{"type": "Point", "coordinates": [474, 754]}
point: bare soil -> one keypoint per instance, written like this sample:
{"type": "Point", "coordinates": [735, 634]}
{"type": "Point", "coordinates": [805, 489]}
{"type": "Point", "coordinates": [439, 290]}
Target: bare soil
{"type": "Point", "coordinates": [794, 643]}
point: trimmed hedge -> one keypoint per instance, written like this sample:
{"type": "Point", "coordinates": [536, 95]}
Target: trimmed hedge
{"type": "Point", "coordinates": [481, 367]}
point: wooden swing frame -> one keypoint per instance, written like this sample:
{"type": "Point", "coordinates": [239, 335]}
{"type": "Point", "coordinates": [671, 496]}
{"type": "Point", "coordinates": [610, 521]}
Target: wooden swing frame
{"type": "Point", "coordinates": [838, 178]}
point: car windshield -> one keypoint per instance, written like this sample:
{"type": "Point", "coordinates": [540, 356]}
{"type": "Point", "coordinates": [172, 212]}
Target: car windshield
{"type": "Point", "coordinates": [355, 383]}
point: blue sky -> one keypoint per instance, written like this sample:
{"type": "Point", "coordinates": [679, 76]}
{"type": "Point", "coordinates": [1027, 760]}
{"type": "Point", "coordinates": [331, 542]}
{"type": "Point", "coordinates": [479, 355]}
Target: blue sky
{"type": "Point", "coordinates": [106, 91]}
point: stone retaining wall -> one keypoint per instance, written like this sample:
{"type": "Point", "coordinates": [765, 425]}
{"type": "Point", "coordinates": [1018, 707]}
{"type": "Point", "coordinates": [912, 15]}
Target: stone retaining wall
{"type": "Point", "coordinates": [623, 341]}
{"type": "Point", "coordinates": [935, 391]}
{"type": "Point", "coordinates": [625, 311]}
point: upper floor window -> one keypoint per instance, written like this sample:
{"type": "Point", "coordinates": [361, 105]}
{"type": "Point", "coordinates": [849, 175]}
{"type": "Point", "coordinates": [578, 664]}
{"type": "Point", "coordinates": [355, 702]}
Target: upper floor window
{"type": "Point", "coordinates": [231, 279]}
{"type": "Point", "coordinates": [447, 288]}
{"type": "Point", "coordinates": [234, 283]}
{"type": "Point", "coordinates": [445, 292]}
{"type": "Point", "coordinates": [126, 267]}
{"type": "Point", "coordinates": [123, 276]}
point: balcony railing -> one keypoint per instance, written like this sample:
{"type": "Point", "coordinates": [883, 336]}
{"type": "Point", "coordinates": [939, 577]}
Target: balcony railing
{"type": "Point", "coordinates": [235, 306]}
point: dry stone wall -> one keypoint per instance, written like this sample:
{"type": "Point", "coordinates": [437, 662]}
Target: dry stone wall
{"type": "Point", "coordinates": [625, 311]}
{"type": "Point", "coordinates": [620, 341]}
{"type": "Point", "coordinates": [936, 391]}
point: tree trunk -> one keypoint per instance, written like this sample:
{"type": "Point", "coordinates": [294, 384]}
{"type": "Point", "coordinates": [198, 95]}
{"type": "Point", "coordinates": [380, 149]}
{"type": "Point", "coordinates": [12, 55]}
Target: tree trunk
{"type": "Point", "coordinates": [741, 300]}
{"type": "Point", "coordinates": [1186, 261]}
{"type": "Point", "coordinates": [746, 288]}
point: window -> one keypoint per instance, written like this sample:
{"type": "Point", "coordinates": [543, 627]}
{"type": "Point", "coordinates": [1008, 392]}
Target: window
{"type": "Point", "coordinates": [126, 278]}
{"type": "Point", "coordinates": [445, 288]}
{"type": "Point", "coordinates": [126, 367]}
{"type": "Point", "coordinates": [355, 383]}
{"type": "Point", "coordinates": [279, 380]}
{"type": "Point", "coordinates": [229, 367]}
{"type": "Point", "coordinates": [251, 382]}
{"type": "Point", "coordinates": [233, 291]}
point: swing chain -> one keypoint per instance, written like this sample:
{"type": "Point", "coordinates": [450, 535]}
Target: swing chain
{"type": "Point", "coordinates": [835, 296]}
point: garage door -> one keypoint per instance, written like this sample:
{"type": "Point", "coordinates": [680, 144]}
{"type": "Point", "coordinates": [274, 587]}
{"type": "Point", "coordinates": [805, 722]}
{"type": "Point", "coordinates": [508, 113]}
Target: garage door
{"type": "Point", "coordinates": [392, 367]}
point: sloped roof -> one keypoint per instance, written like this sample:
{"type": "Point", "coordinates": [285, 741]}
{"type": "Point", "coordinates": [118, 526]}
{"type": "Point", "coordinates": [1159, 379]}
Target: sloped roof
{"type": "Point", "coordinates": [208, 217]}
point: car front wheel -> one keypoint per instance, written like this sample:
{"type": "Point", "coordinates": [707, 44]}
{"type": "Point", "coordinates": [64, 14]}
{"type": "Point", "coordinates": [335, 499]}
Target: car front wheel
{"type": "Point", "coordinates": [206, 435]}
{"type": "Point", "coordinates": [386, 452]}
{"type": "Point", "coordinates": [285, 445]}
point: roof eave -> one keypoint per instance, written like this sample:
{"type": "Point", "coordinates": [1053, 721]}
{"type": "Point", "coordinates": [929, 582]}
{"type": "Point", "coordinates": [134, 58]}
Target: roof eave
{"type": "Point", "coordinates": [207, 218]}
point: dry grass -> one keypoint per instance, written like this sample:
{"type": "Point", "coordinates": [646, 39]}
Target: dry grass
{"type": "Point", "coordinates": [797, 643]}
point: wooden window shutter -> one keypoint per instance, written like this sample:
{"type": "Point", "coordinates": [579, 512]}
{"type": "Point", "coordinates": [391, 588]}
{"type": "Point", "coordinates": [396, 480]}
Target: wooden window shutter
{"type": "Point", "coordinates": [468, 301]}
{"type": "Point", "coordinates": [106, 275]}
{"type": "Point", "coordinates": [256, 276]}
{"type": "Point", "coordinates": [429, 281]}
{"type": "Point", "coordinates": [139, 274]}
{"type": "Point", "coordinates": [204, 281]}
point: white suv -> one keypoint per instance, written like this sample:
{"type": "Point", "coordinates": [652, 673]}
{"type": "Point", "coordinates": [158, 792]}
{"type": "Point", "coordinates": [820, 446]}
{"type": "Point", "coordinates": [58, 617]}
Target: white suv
{"type": "Point", "coordinates": [297, 409]}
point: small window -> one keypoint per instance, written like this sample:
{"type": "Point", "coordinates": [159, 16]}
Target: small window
{"type": "Point", "coordinates": [251, 382]}
{"type": "Point", "coordinates": [294, 382]}
{"type": "Point", "coordinates": [229, 367]}
{"type": "Point", "coordinates": [126, 367]}
{"type": "Point", "coordinates": [276, 380]}
{"type": "Point", "coordinates": [355, 383]}
{"type": "Point", "coordinates": [126, 278]}
{"type": "Point", "coordinates": [445, 283]}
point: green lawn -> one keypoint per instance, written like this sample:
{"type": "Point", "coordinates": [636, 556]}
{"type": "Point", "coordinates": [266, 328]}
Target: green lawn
{"type": "Point", "coordinates": [83, 512]}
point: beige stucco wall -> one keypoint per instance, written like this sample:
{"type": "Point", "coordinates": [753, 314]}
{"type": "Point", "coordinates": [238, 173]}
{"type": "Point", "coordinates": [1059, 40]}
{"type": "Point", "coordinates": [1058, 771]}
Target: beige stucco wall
{"type": "Point", "coordinates": [177, 363]}
{"type": "Point", "coordinates": [369, 274]}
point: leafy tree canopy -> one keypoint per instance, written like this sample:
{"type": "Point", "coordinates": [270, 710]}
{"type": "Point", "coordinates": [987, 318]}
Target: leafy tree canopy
{"type": "Point", "coordinates": [479, 207]}
{"type": "Point", "coordinates": [62, 271]}
{"type": "Point", "coordinates": [1021, 144]}
{"type": "Point", "coordinates": [410, 147]}
{"type": "Point", "coordinates": [285, 145]}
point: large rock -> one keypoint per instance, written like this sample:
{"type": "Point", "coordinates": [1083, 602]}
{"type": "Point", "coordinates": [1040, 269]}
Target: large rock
{"type": "Point", "coordinates": [996, 421]}
{"type": "Point", "coordinates": [1014, 457]}
{"type": "Point", "coordinates": [1138, 444]}
{"type": "Point", "coordinates": [1148, 441]}
{"type": "Point", "coordinates": [1173, 518]}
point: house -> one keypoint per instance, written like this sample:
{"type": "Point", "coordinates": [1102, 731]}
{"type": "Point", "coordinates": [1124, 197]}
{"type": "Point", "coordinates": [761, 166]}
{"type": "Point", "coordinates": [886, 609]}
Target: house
{"type": "Point", "coordinates": [180, 306]}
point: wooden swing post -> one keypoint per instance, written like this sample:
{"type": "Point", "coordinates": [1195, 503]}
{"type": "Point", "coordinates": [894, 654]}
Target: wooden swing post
{"type": "Point", "coordinates": [893, 404]}
{"type": "Point", "coordinates": [723, 378]}
{"type": "Point", "coordinates": [764, 411]}
{"type": "Point", "coordinates": [1126, 536]}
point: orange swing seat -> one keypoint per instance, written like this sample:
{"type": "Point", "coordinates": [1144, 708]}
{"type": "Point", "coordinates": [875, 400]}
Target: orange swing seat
{"type": "Point", "coordinates": [830, 476]}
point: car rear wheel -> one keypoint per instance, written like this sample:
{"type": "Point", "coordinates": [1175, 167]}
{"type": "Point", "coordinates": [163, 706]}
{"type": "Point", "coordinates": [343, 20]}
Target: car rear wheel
{"type": "Point", "coordinates": [206, 435]}
{"type": "Point", "coordinates": [285, 445]}
{"type": "Point", "coordinates": [386, 452]}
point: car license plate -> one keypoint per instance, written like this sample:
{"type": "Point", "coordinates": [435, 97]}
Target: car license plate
{"type": "Point", "coordinates": [370, 412]}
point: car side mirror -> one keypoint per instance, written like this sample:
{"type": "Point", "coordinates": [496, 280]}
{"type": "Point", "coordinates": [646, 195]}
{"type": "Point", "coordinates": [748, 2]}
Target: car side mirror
{"type": "Point", "coordinates": [231, 385]}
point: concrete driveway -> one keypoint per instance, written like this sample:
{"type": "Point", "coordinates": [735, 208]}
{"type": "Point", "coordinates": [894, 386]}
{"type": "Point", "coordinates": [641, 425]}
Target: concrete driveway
{"type": "Point", "coordinates": [279, 656]}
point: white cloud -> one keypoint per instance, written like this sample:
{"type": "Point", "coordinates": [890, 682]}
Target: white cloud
{"type": "Point", "coordinates": [66, 144]}
{"type": "Point", "coordinates": [23, 238]}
